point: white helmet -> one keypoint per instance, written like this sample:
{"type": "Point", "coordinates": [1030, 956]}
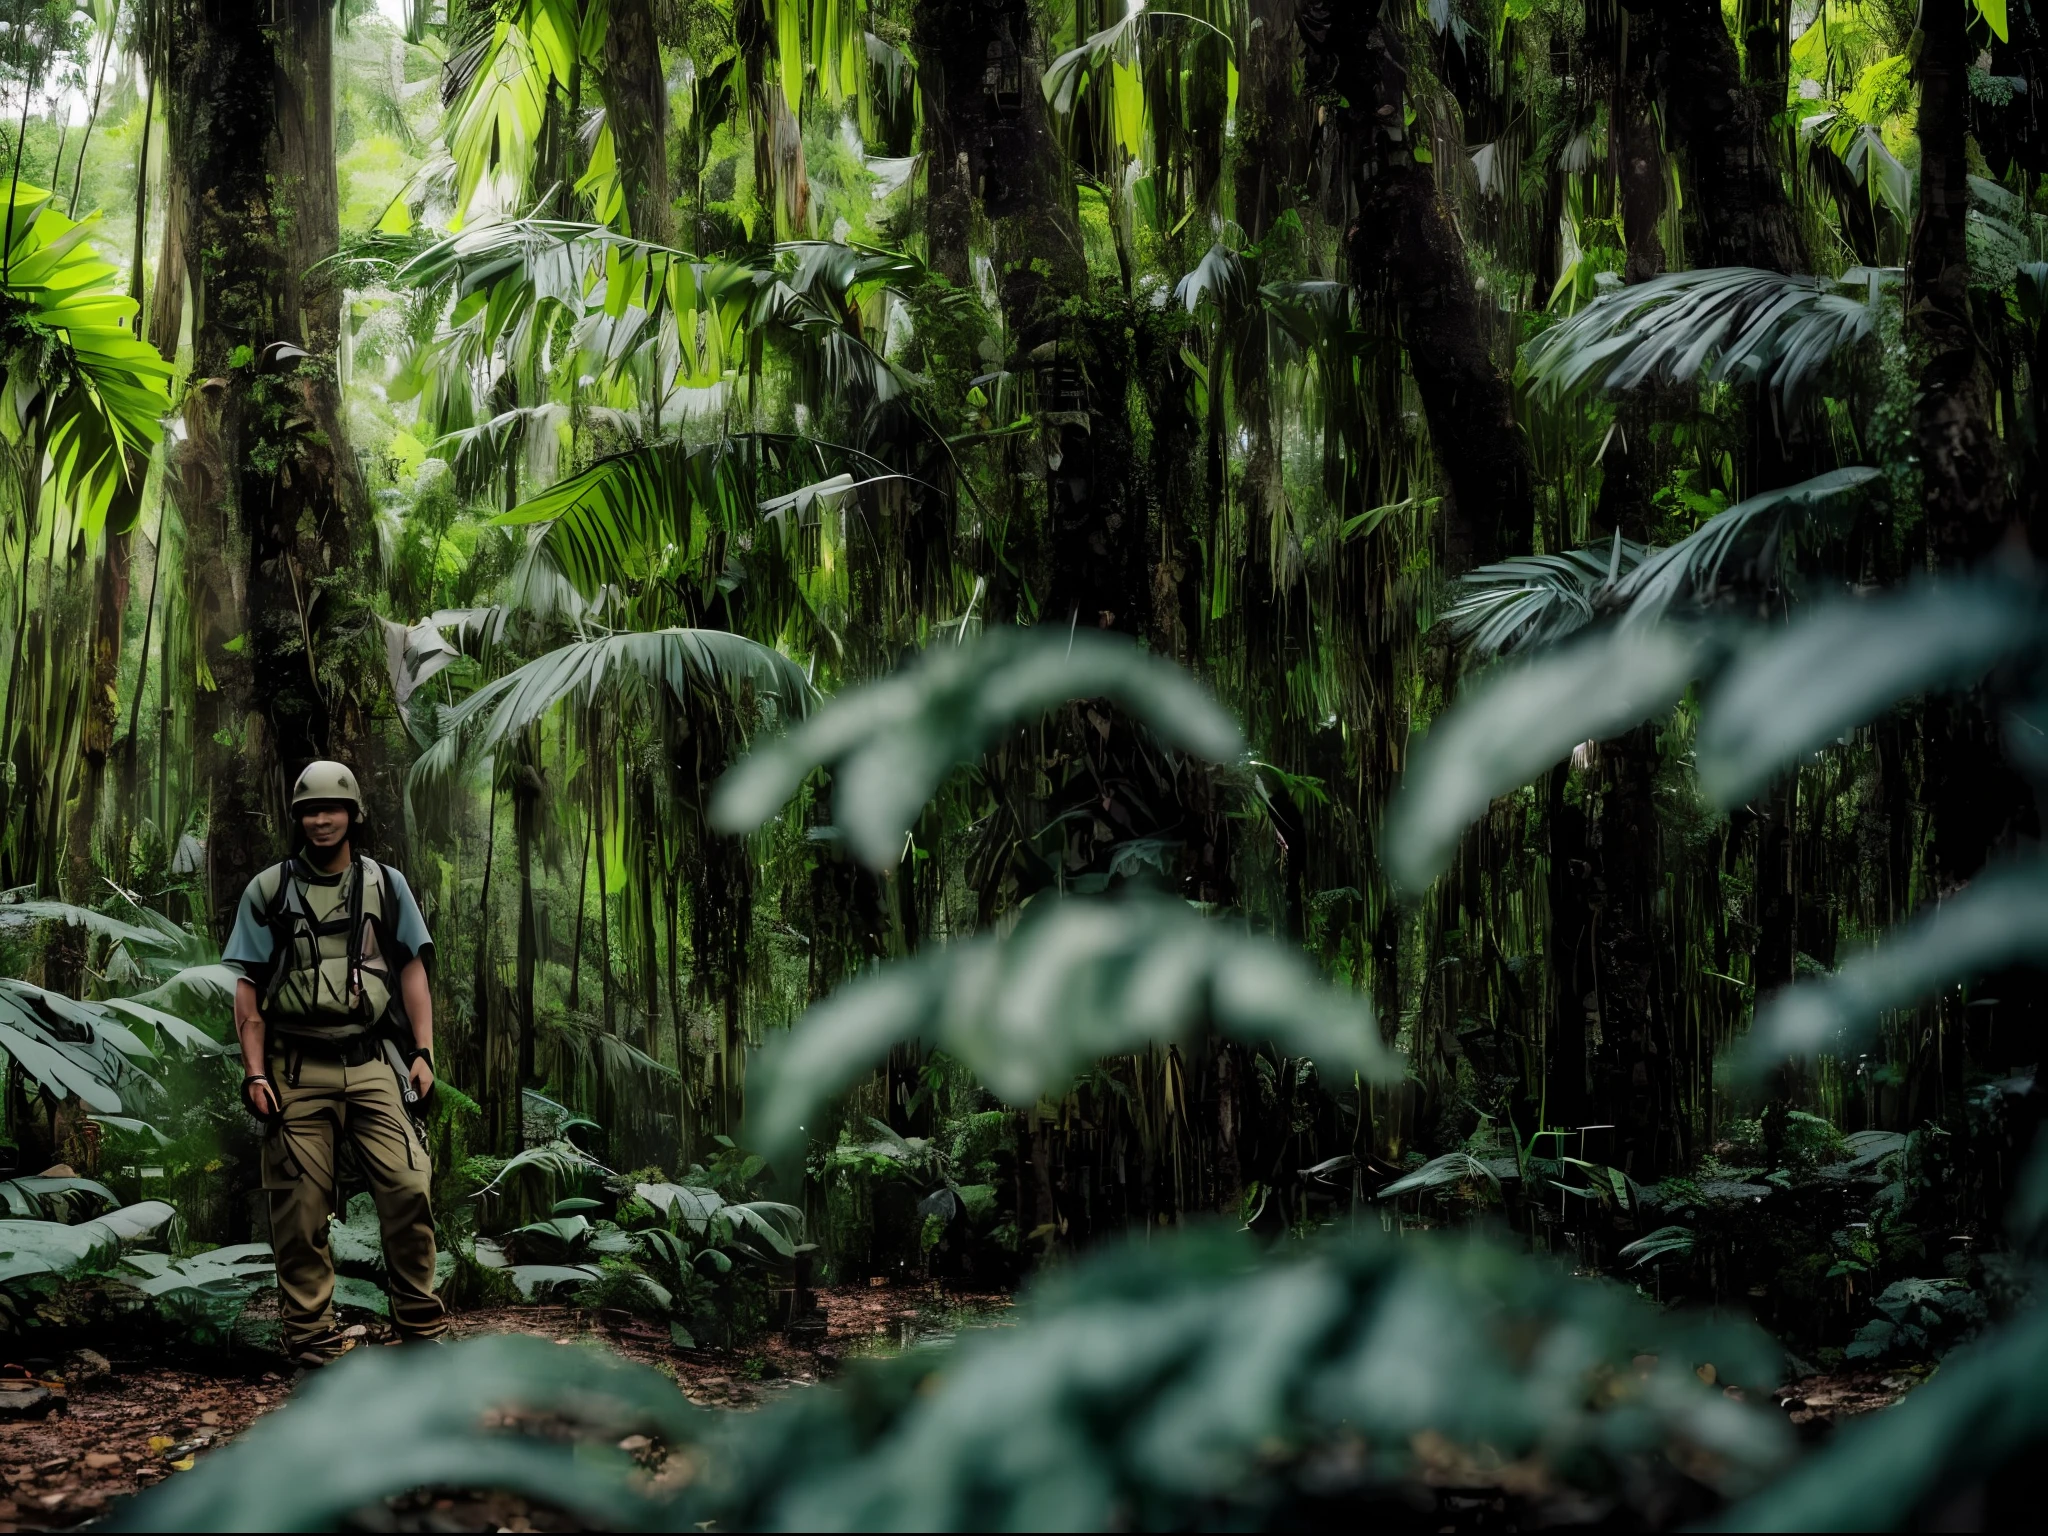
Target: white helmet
{"type": "Point", "coordinates": [323, 780]}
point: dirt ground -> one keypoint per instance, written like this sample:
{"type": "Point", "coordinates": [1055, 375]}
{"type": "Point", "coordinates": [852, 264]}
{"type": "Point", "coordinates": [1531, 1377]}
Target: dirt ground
{"type": "Point", "coordinates": [116, 1426]}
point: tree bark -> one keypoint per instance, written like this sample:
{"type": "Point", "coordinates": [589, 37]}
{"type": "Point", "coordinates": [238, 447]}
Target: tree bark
{"type": "Point", "coordinates": [1406, 251]}
{"type": "Point", "coordinates": [1273, 118]}
{"type": "Point", "coordinates": [266, 483]}
{"type": "Point", "coordinates": [1961, 459]}
{"type": "Point", "coordinates": [1738, 213]}
{"type": "Point", "coordinates": [636, 107]}
{"type": "Point", "coordinates": [1978, 802]}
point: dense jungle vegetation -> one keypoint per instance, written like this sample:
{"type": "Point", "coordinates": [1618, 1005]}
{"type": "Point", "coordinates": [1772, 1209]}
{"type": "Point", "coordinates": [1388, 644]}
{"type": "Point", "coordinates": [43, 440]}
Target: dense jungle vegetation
{"type": "Point", "coordinates": [1357, 683]}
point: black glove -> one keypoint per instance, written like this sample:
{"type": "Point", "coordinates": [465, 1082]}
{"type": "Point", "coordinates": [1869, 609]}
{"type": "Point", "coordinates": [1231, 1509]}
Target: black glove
{"type": "Point", "coordinates": [270, 1116]}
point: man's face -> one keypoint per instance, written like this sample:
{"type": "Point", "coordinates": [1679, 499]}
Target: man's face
{"type": "Point", "coordinates": [325, 823]}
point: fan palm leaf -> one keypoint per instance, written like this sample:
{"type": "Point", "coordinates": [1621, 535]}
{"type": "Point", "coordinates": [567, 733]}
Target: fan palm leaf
{"type": "Point", "coordinates": [1692, 570]}
{"type": "Point", "coordinates": [1536, 600]}
{"type": "Point", "coordinates": [685, 662]}
{"type": "Point", "coordinates": [1741, 325]}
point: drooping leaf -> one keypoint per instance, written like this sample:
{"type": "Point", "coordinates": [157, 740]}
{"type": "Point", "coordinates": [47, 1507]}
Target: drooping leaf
{"type": "Point", "coordinates": [51, 1247]}
{"type": "Point", "coordinates": [1735, 324]}
{"type": "Point", "coordinates": [1451, 1168]}
{"type": "Point", "coordinates": [1519, 721]}
{"type": "Point", "coordinates": [892, 743]}
{"type": "Point", "coordinates": [1536, 600]}
{"type": "Point", "coordinates": [1075, 981]}
{"type": "Point", "coordinates": [684, 662]}
{"type": "Point", "coordinates": [1793, 692]}
{"type": "Point", "coordinates": [1752, 531]}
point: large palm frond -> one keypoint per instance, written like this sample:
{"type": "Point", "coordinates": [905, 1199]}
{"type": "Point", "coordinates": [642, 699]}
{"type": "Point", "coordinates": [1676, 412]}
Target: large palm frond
{"type": "Point", "coordinates": [1536, 600]}
{"type": "Point", "coordinates": [631, 513]}
{"type": "Point", "coordinates": [502, 84]}
{"type": "Point", "coordinates": [1726, 324]}
{"type": "Point", "coordinates": [685, 662]}
{"type": "Point", "coordinates": [74, 370]}
{"type": "Point", "coordinates": [1692, 570]}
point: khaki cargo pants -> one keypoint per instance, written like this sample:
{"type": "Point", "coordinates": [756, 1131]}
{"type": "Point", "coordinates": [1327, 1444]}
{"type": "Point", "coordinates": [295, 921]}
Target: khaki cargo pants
{"type": "Point", "coordinates": [324, 1102]}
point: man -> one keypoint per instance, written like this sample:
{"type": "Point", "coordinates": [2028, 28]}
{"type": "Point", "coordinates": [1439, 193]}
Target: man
{"type": "Point", "coordinates": [337, 1032]}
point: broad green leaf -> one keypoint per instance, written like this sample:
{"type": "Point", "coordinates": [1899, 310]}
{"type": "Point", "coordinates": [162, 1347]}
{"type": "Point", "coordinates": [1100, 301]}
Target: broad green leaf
{"type": "Point", "coordinates": [892, 743]}
{"type": "Point", "coordinates": [83, 917]}
{"type": "Point", "coordinates": [1999, 919]}
{"type": "Point", "coordinates": [1792, 692]}
{"type": "Point", "coordinates": [1075, 981]}
{"type": "Point", "coordinates": [84, 1247]}
{"type": "Point", "coordinates": [1516, 723]}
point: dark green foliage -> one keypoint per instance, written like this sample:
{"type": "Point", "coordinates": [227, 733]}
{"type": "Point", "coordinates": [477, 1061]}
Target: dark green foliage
{"type": "Point", "coordinates": [1185, 1382]}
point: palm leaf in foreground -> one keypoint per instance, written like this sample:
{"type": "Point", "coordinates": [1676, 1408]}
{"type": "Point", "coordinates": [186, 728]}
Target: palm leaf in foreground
{"type": "Point", "coordinates": [1793, 692]}
{"type": "Point", "coordinates": [1516, 723]}
{"type": "Point", "coordinates": [1999, 919]}
{"type": "Point", "coordinates": [1075, 981]}
{"type": "Point", "coordinates": [893, 742]}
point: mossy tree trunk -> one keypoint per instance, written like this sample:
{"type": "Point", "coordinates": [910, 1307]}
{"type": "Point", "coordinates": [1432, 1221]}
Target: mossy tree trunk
{"type": "Point", "coordinates": [266, 482]}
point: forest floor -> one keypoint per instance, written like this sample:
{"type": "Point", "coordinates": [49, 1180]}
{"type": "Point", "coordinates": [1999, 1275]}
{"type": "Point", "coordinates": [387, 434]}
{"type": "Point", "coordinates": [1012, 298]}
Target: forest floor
{"type": "Point", "coordinates": [115, 1426]}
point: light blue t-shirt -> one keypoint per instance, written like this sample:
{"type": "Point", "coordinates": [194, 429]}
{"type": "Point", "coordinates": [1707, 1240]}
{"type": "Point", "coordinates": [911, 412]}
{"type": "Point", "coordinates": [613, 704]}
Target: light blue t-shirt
{"type": "Point", "coordinates": [253, 946]}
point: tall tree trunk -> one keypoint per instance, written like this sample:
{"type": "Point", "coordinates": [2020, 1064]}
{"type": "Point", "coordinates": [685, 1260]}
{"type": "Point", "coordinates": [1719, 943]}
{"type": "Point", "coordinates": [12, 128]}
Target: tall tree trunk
{"type": "Point", "coordinates": [1961, 460]}
{"type": "Point", "coordinates": [1978, 801]}
{"type": "Point", "coordinates": [636, 107]}
{"type": "Point", "coordinates": [1272, 119]}
{"type": "Point", "coordinates": [267, 485]}
{"type": "Point", "coordinates": [1738, 213]}
{"type": "Point", "coordinates": [1406, 251]}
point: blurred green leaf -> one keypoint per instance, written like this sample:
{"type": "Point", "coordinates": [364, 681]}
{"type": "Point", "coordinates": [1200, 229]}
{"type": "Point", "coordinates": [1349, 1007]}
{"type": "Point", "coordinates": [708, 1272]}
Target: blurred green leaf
{"type": "Point", "coordinates": [1518, 721]}
{"type": "Point", "coordinates": [1197, 1380]}
{"type": "Point", "coordinates": [1792, 692]}
{"type": "Point", "coordinates": [1999, 919]}
{"type": "Point", "coordinates": [381, 1422]}
{"type": "Point", "coordinates": [1981, 1410]}
{"type": "Point", "coordinates": [892, 743]}
{"type": "Point", "coordinates": [1075, 981]}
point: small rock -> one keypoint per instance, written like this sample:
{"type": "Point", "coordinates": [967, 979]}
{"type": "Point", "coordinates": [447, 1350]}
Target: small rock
{"type": "Point", "coordinates": [88, 1368]}
{"type": "Point", "coordinates": [28, 1400]}
{"type": "Point", "coordinates": [54, 1464]}
{"type": "Point", "coordinates": [633, 1445]}
{"type": "Point", "coordinates": [211, 1416]}
{"type": "Point", "coordinates": [100, 1461]}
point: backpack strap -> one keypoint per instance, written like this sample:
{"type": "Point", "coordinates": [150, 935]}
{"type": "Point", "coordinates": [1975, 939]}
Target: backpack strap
{"type": "Point", "coordinates": [279, 903]}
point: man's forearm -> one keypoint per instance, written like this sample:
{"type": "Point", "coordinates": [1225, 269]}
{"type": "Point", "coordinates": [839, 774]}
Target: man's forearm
{"type": "Point", "coordinates": [419, 1003]}
{"type": "Point", "coordinates": [249, 1028]}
